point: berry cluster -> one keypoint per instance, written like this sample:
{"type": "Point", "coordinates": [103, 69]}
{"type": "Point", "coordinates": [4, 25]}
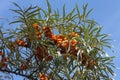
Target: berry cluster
{"type": "Point", "coordinates": [42, 54]}
{"type": "Point", "coordinates": [67, 43]}
{"type": "Point", "coordinates": [43, 76]}
{"type": "Point", "coordinates": [21, 43]}
{"type": "Point", "coordinates": [63, 41]}
{"type": "Point", "coordinates": [3, 61]}
{"type": "Point", "coordinates": [88, 61]}
{"type": "Point", "coordinates": [36, 27]}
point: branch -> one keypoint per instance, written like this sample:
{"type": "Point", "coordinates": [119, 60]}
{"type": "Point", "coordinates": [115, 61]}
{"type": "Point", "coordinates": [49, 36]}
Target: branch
{"type": "Point", "coordinates": [17, 73]}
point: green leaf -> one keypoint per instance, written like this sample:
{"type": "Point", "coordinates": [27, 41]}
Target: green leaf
{"type": "Point", "coordinates": [78, 12]}
{"type": "Point", "coordinates": [32, 16]}
{"type": "Point", "coordinates": [86, 34]}
{"type": "Point", "coordinates": [84, 11]}
{"type": "Point", "coordinates": [19, 12]}
{"type": "Point", "coordinates": [17, 6]}
{"type": "Point", "coordinates": [33, 12]}
{"type": "Point", "coordinates": [110, 70]}
{"type": "Point", "coordinates": [17, 21]}
{"type": "Point", "coordinates": [30, 8]}
{"type": "Point", "coordinates": [49, 7]}
{"type": "Point", "coordinates": [89, 12]}
{"type": "Point", "coordinates": [39, 14]}
{"type": "Point", "coordinates": [64, 13]}
{"type": "Point", "coordinates": [70, 14]}
{"type": "Point", "coordinates": [44, 12]}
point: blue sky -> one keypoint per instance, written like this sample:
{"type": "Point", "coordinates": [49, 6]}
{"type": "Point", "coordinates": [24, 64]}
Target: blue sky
{"type": "Point", "coordinates": [105, 12]}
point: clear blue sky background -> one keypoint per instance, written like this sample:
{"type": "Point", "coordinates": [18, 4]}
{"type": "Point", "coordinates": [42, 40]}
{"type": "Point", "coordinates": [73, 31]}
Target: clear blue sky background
{"type": "Point", "coordinates": [105, 12]}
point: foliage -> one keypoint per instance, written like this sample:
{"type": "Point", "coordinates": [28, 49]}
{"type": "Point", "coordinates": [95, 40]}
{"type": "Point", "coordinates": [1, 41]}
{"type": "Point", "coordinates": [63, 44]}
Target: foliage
{"type": "Point", "coordinates": [48, 45]}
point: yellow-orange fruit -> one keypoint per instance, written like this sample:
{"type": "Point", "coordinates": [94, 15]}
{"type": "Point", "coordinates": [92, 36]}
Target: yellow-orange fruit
{"type": "Point", "coordinates": [43, 76]}
{"type": "Point", "coordinates": [74, 34]}
{"type": "Point", "coordinates": [54, 37]}
{"type": "Point", "coordinates": [38, 34]}
{"type": "Point", "coordinates": [73, 42]}
{"type": "Point", "coordinates": [36, 26]}
{"type": "Point", "coordinates": [65, 44]}
{"type": "Point", "coordinates": [20, 42]}
{"type": "Point", "coordinates": [47, 32]}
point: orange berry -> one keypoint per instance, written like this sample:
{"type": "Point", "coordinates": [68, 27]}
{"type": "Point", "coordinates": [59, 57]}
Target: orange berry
{"type": "Point", "coordinates": [43, 76]}
{"type": "Point", "coordinates": [95, 62]}
{"type": "Point", "coordinates": [23, 43]}
{"type": "Point", "coordinates": [20, 42]}
{"type": "Point", "coordinates": [54, 37]}
{"type": "Point", "coordinates": [36, 26]}
{"type": "Point", "coordinates": [65, 43]}
{"type": "Point", "coordinates": [48, 34]}
{"type": "Point", "coordinates": [3, 65]}
{"type": "Point", "coordinates": [73, 42]}
{"type": "Point", "coordinates": [46, 28]}
{"type": "Point", "coordinates": [17, 41]}
{"type": "Point", "coordinates": [59, 42]}
{"type": "Point", "coordinates": [4, 59]}
{"type": "Point", "coordinates": [49, 58]}
{"type": "Point", "coordinates": [61, 37]}
{"type": "Point", "coordinates": [74, 34]}
{"type": "Point", "coordinates": [39, 36]}
{"type": "Point", "coordinates": [73, 51]}
{"type": "Point", "coordinates": [41, 53]}
{"type": "Point", "coordinates": [1, 53]}
{"type": "Point", "coordinates": [38, 33]}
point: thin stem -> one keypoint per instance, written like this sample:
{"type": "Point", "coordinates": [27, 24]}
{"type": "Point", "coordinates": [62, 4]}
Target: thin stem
{"type": "Point", "coordinates": [16, 73]}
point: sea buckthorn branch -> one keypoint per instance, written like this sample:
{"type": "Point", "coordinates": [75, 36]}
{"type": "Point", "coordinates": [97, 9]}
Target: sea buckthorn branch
{"type": "Point", "coordinates": [51, 46]}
